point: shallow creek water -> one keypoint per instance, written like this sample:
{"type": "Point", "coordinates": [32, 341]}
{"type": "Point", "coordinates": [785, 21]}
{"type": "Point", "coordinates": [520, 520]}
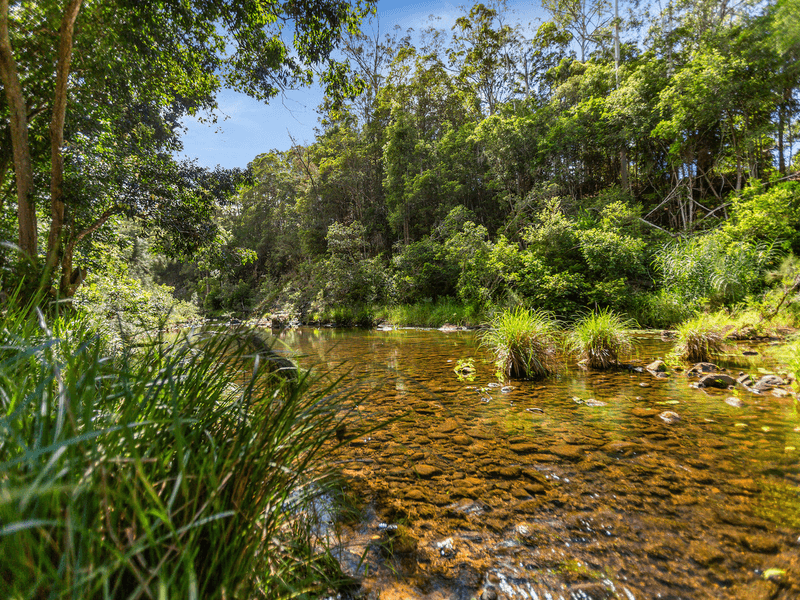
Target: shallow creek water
{"type": "Point", "coordinates": [571, 488]}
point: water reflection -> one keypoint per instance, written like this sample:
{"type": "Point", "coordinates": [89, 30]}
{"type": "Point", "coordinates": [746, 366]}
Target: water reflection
{"type": "Point", "coordinates": [577, 487]}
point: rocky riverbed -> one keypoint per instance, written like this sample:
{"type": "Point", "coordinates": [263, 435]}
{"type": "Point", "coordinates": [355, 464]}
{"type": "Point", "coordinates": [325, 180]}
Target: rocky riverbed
{"type": "Point", "coordinates": [632, 484]}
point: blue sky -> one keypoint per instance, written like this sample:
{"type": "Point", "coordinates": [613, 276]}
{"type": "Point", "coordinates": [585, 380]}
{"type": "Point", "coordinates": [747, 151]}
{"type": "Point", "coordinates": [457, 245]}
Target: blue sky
{"type": "Point", "coordinates": [247, 128]}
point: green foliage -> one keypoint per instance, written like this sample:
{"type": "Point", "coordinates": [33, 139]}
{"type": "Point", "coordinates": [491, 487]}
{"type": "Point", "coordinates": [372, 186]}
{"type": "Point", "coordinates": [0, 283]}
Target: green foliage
{"type": "Point", "coordinates": [184, 468]}
{"type": "Point", "coordinates": [445, 311]}
{"type": "Point", "coordinates": [498, 170]}
{"type": "Point", "coordinates": [662, 309]}
{"type": "Point", "coordinates": [767, 215]}
{"type": "Point", "coordinates": [351, 277]}
{"type": "Point", "coordinates": [600, 338]}
{"type": "Point", "coordinates": [712, 267]}
{"type": "Point", "coordinates": [701, 338]}
{"type": "Point", "coordinates": [423, 269]}
{"type": "Point", "coordinates": [523, 343]}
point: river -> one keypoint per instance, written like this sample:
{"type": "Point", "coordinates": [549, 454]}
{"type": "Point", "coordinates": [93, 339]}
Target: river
{"type": "Point", "coordinates": [586, 486]}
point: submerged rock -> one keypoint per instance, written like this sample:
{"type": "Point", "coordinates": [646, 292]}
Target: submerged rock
{"type": "Point", "coordinates": [644, 413]}
{"type": "Point", "coordinates": [669, 417]}
{"type": "Point", "coordinates": [734, 401]}
{"type": "Point", "coordinates": [767, 382]}
{"type": "Point", "coordinates": [427, 471]}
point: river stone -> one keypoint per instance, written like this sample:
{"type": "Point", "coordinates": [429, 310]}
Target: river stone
{"type": "Point", "coordinates": [415, 494]}
{"type": "Point", "coordinates": [462, 440]}
{"type": "Point", "coordinates": [535, 476]}
{"type": "Point", "coordinates": [479, 434]}
{"type": "Point", "coordinates": [669, 417]}
{"type": "Point", "coordinates": [463, 491]}
{"type": "Point", "coordinates": [702, 367]}
{"type": "Point", "coordinates": [734, 401]}
{"type": "Point", "coordinates": [440, 499]}
{"type": "Point", "coordinates": [621, 447]}
{"type": "Point", "coordinates": [427, 471]}
{"type": "Point", "coordinates": [504, 471]}
{"type": "Point", "coordinates": [760, 543]}
{"type": "Point", "coordinates": [657, 365]}
{"type": "Point", "coordinates": [519, 492]}
{"type": "Point", "coordinates": [779, 392]}
{"type": "Point", "coordinates": [768, 382]}
{"type": "Point", "coordinates": [591, 402]}
{"type": "Point", "coordinates": [644, 413]}
{"type": "Point", "coordinates": [567, 452]}
{"type": "Point", "coordinates": [449, 426]}
{"type": "Point", "coordinates": [524, 448]}
{"type": "Point", "coordinates": [477, 449]}
{"type": "Point", "coordinates": [534, 489]}
{"type": "Point", "coordinates": [705, 554]}
{"type": "Point", "coordinates": [717, 380]}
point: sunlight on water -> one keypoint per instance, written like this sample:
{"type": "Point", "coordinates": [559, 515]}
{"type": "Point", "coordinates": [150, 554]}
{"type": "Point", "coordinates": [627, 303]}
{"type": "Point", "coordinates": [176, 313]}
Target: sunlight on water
{"type": "Point", "coordinates": [588, 485]}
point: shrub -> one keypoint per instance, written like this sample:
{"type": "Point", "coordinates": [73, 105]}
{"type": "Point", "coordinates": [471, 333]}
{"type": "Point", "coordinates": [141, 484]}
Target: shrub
{"type": "Point", "coordinates": [183, 469]}
{"type": "Point", "coordinates": [712, 267]}
{"type": "Point", "coordinates": [701, 338]}
{"type": "Point", "coordinates": [600, 337]}
{"type": "Point", "coordinates": [767, 215]}
{"type": "Point", "coordinates": [523, 343]}
{"type": "Point", "coordinates": [662, 308]}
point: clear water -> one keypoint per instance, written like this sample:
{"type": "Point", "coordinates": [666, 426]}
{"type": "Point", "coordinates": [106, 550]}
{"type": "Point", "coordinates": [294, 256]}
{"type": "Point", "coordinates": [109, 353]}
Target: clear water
{"type": "Point", "coordinates": [575, 487]}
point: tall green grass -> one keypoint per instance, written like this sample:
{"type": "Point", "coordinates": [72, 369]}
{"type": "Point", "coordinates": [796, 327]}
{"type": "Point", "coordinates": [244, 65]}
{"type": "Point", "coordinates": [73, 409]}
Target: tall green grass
{"type": "Point", "coordinates": [182, 469]}
{"type": "Point", "coordinates": [523, 343]}
{"type": "Point", "coordinates": [432, 314]}
{"type": "Point", "coordinates": [600, 338]}
{"type": "Point", "coordinates": [701, 338]}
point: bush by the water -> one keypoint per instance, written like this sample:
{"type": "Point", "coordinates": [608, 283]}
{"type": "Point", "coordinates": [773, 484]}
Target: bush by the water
{"type": "Point", "coordinates": [179, 469]}
{"type": "Point", "coordinates": [523, 343]}
{"type": "Point", "coordinates": [600, 338]}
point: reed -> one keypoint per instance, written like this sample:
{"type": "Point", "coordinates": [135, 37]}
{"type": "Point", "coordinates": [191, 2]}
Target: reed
{"type": "Point", "coordinates": [180, 468]}
{"type": "Point", "coordinates": [600, 338]}
{"type": "Point", "coordinates": [523, 343]}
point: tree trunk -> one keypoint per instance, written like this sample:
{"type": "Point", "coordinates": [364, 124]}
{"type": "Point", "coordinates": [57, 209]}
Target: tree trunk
{"type": "Point", "coordinates": [57, 138]}
{"type": "Point", "coordinates": [18, 118]}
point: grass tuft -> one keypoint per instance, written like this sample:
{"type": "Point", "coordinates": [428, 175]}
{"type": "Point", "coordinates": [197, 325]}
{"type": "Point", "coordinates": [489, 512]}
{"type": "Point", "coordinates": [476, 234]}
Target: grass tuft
{"type": "Point", "coordinates": [523, 343]}
{"type": "Point", "coordinates": [701, 338]}
{"type": "Point", "coordinates": [600, 338]}
{"type": "Point", "coordinates": [178, 468]}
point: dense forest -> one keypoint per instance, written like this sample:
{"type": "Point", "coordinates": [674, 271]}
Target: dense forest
{"type": "Point", "coordinates": [498, 165]}
{"type": "Point", "coordinates": [612, 171]}
{"type": "Point", "coordinates": [645, 162]}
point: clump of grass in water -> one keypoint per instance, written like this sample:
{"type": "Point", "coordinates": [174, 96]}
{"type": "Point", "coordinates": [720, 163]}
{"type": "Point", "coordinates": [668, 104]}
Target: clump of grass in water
{"type": "Point", "coordinates": [600, 338]}
{"type": "Point", "coordinates": [700, 338]}
{"type": "Point", "coordinates": [523, 343]}
{"type": "Point", "coordinates": [157, 472]}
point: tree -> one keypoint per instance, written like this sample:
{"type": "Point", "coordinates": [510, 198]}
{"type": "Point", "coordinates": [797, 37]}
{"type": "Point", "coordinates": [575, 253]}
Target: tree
{"type": "Point", "coordinates": [587, 20]}
{"type": "Point", "coordinates": [169, 58]}
{"type": "Point", "coordinates": [483, 52]}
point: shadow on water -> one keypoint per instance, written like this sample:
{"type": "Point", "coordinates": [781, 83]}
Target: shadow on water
{"type": "Point", "coordinates": [589, 485]}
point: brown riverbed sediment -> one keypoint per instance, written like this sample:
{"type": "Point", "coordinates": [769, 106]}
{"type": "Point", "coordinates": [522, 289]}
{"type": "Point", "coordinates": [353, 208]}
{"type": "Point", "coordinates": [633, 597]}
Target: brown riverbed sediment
{"type": "Point", "coordinates": [590, 485]}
